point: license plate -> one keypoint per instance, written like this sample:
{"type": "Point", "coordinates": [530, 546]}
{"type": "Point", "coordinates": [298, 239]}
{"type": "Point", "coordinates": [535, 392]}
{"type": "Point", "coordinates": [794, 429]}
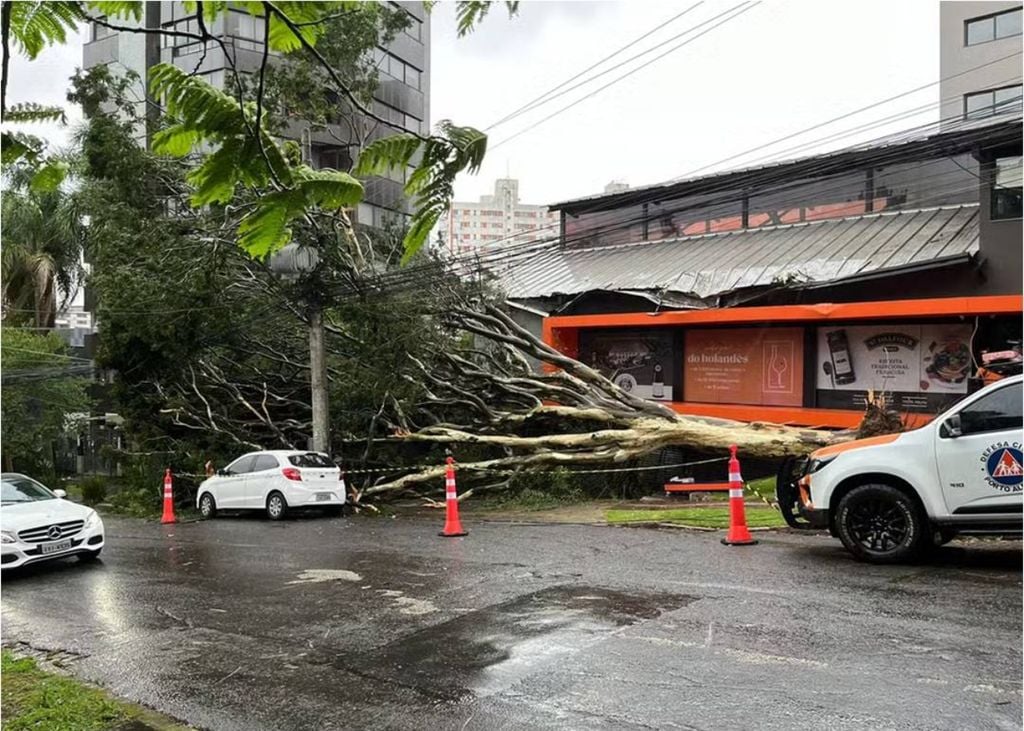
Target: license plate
{"type": "Point", "coordinates": [56, 547]}
{"type": "Point", "coordinates": [322, 496]}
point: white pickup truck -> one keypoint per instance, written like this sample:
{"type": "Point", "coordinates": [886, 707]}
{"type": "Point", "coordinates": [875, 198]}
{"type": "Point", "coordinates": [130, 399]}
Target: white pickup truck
{"type": "Point", "coordinates": [889, 497]}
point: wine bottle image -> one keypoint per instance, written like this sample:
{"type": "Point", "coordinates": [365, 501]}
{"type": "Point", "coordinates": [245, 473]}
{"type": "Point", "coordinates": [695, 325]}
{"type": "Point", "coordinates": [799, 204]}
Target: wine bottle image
{"type": "Point", "coordinates": [839, 353]}
{"type": "Point", "coordinates": [658, 383]}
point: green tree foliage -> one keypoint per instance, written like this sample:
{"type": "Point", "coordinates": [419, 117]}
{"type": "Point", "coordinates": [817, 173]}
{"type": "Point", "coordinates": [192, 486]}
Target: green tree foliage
{"type": "Point", "coordinates": [42, 384]}
{"type": "Point", "coordinates": [210, 347]}
{"type": "Point", "coordinates": [202, 116]}
{"type": "Point", "coordinates": [40, 262]}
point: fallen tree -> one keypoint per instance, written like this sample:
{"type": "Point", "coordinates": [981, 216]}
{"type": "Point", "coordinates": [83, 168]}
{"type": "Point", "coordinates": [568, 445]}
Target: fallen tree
{"type": "Point", "coordinates": [568, 415]}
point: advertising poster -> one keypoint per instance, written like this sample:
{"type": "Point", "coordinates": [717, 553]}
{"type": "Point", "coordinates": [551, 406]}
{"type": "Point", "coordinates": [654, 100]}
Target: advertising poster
{"type": "Point", "coordinates": [923, 366]}
{"type": "Point", "coordinates": [762, 366]}
{"type": "Point", "coordinates": [638, 361]}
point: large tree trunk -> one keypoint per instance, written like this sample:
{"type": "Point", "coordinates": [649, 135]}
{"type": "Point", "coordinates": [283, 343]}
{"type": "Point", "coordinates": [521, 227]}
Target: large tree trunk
{"type": "Point", "coordinates": [490, 397]}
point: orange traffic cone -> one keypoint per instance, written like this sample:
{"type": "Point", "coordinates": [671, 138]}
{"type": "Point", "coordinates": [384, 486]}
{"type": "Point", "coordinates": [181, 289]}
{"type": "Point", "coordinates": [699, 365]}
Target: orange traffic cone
{"type": "Point", "coordinates": [738, 534]}
{"type": "Point", "coordinates": [168, 498]}
{"type": "Point", "coordinates": [452, 525]}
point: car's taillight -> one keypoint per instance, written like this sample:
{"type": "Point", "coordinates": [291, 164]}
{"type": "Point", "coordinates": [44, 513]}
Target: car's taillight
{"type": "Point", "coordinates": [292, 473]}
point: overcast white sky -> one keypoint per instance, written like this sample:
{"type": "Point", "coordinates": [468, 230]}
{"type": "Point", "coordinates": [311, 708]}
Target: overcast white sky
{"type": "Point", "coordinates": [776, 69]}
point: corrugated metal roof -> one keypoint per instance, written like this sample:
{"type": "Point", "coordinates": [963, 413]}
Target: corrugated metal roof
{"type": "Point", "coordinates": [915, 137]}
{"type": "Point", "coordinates": [713, 264]}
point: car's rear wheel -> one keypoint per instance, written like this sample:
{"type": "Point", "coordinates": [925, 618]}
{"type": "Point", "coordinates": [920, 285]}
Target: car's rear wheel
{"type": "Point", "coordinates": [89, 555]}
{"type": "Point", "coordinates": [880, 524]}
{"type": "Point", "coordinates": [277, 507]}
{"type": "Point", "coordinates": [207, 506]}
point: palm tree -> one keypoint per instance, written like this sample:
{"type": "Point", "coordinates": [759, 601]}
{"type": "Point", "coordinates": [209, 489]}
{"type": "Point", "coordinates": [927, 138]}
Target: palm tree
{"type": "Point", "coordinates": [43, 235]}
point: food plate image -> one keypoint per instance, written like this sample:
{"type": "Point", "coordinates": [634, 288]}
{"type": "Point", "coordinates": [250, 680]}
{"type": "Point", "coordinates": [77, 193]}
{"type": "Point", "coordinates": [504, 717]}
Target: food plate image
{"type": "Point", "coordinates": [950, 362]}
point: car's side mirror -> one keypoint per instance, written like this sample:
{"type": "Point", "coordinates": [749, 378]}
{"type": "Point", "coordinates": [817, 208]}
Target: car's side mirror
{"type": "Point", "coordinates": [60, 493]}
{"type": "Point", "coordinates": [222, 472]}
{"type": "Point", "coordinates": [954, 427]}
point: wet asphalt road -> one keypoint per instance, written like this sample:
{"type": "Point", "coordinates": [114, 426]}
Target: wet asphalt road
{"type": "Point", "coordinates": [322, 623]}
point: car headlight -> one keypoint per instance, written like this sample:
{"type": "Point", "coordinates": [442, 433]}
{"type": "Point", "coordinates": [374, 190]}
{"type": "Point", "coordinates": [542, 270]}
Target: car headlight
{"type": "Point", "coordinates": [7, 536]}
{"type": "Point", "coordinates": [92, 519]}
{"type": "Point", "coordinates": [816, 465]}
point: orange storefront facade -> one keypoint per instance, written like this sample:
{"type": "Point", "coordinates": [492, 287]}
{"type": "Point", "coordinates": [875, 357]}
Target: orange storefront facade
{"type": "Point", "coordinates": [800, 364]}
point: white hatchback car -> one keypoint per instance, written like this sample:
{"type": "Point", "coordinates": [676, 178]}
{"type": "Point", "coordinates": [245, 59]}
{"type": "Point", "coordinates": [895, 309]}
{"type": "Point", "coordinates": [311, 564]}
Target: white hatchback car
{"type": "Point", "coordinates": [274, 481]}
{"type": "Point", "coordinates": [38, 524]}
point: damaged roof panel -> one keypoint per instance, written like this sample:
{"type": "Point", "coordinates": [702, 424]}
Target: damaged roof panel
{"type": "Point", "coordinates": [713, 264]}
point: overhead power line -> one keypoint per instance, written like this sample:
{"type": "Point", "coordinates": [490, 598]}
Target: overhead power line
{"type": "Point", "coordinates": [730, 14]}
{"type": "Point", "coordinates": [546, 96]}
{"type": "Point", "coordinates": [846, 115]}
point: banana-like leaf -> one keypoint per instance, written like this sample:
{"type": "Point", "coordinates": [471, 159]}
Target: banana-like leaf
{"type": "Point", "coordinates": [49, 176]}
{"type": "Point", "coordinates": [17, 145]}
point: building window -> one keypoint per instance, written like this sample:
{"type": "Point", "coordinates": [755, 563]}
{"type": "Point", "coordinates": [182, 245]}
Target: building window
{"type": "Point", "coordinates": [100, 31]}
{"type": "Point", "coordinates": [992, 27]}
{"type": "Point", "coordinates": [992, 101]}
{"type": "Point", "coordinates": [415, 29]}
{"type": "Point", "coordinates": [1006, 188]}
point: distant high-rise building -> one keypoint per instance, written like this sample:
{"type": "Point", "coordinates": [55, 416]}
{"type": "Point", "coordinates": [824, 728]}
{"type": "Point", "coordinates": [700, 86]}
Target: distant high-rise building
{"type": "Point", "coordinates": [402, 96]}
{"type": "Point", "coordinates": [979, 59]}
{"type": "Point", "coordinates": [497, 220]}
{"type": "Point", "coordinates": [616, 186]}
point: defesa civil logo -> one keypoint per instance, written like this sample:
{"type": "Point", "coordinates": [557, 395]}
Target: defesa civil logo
{"type": "Point", "coordinates": [1003, 466]}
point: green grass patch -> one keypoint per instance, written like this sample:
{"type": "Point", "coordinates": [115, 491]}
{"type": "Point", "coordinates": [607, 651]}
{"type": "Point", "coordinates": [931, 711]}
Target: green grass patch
{"type": "Point", "coordinates": [36, 699]}
{"type": "Point", "coordinates": [757, 517]}
{"type": "Point", "coordinates": [763, 487]}
{"type": "Point", "coordinates": [33, 699]}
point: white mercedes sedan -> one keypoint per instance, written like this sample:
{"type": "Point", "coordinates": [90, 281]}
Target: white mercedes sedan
{"type": "Point", "coordinates": [38, 524]}
{"type": "Point", "coordinates": [274, 481]}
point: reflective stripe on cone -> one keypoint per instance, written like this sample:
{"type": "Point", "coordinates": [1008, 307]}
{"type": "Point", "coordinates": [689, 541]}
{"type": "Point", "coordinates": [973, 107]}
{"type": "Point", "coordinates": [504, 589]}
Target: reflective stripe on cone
{"type": "Point", "coordinates": [738, 534]}
{"type": "Point", "coordinates": [452, 524]}
{"type": "Point", "coordinates": [168, 516]}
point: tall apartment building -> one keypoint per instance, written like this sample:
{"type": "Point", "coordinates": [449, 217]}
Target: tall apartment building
{"type": "Point", "coordinates": [985, 35]}
{"type": "Point", "coordinates": [497, 220]}
{"type": "Point", "coordinates": [402, 97]}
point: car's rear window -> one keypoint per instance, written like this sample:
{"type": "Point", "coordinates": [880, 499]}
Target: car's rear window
{"type": "Point", "coordinates": [310, 459]}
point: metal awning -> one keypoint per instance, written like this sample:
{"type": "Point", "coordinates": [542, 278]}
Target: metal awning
{"type": "Point", "coordinates": [714, 264]}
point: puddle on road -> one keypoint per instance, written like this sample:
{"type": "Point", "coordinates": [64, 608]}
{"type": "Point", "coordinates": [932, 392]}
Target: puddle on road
{"type": "Point", "coordinates": [485, 651]}
{"type": "Point", "coordinates": [319, 576]}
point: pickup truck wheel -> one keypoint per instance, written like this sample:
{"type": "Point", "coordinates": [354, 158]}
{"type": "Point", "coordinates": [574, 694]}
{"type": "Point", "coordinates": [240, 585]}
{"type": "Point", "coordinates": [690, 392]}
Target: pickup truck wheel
{"type": "Point", "coordinates": [880, 524]}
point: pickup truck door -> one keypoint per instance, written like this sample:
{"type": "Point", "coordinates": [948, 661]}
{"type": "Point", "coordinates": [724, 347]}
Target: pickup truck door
{"type": "Point", "coordinates": [978, 454]}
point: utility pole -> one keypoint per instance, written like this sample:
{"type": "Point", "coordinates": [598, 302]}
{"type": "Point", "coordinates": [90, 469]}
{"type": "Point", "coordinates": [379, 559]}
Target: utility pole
{"type": "Point", "coordinates": [318, 381]}
{"type": "Point", "coordinates": [298, 263]}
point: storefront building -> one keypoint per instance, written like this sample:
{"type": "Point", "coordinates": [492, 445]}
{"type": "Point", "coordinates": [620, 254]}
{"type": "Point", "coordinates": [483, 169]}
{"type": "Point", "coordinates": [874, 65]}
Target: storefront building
{"type": "Point", "coordinates": [789, 292]}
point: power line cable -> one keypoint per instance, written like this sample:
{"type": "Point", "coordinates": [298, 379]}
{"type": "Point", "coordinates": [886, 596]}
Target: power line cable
{"type": "Point", "coordinates": [657, 58]}
{"type": "Point", "coordinates": [546, 96]}
{"type": "Point", "coordinates": [846, 115]}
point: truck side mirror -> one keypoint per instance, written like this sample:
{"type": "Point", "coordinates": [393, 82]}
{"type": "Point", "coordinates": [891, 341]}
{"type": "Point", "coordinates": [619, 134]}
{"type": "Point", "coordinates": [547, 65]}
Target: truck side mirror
{"type": "Point", "coordinates": [953, 426]}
